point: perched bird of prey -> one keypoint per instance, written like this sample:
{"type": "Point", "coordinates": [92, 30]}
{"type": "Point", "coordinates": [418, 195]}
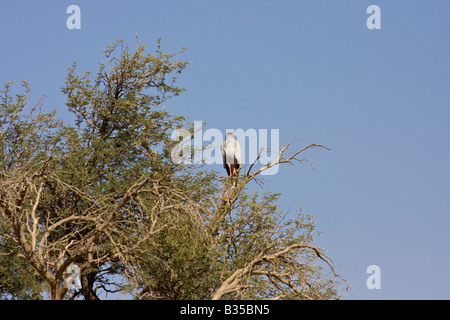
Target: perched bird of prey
{"type": "Point", "coordinates": [231, 155]}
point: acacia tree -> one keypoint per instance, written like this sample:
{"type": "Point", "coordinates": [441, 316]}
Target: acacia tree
{"type": "Point", "coordinates": [103, 194]}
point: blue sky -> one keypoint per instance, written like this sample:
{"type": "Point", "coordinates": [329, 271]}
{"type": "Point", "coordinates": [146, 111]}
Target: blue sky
{"type": "Point", "coordinates": [379, 99]}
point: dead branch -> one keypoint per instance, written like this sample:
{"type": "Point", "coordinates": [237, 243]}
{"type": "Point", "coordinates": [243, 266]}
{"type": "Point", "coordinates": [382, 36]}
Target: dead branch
{"type": "Point", "coordinates": [235, 281]}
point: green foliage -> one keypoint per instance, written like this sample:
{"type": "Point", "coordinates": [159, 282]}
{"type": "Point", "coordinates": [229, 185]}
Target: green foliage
{"type": "Point", "coordinates": [18, 279]}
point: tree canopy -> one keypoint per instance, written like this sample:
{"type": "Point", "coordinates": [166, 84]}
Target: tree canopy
{"type": "Point", "coordinates": [103, 194]}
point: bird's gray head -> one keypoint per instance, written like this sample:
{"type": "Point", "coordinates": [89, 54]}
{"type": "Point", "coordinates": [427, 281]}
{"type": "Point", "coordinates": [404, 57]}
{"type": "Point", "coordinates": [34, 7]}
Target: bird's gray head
{"type": "Point", "coordinates": [230, 135]}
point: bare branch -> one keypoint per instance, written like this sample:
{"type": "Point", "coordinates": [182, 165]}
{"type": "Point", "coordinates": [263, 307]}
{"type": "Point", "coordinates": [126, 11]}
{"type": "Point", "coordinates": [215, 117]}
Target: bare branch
{"type": "Point", "coordinates": [282, 159]}
{"type": "Point", "coordinates": [234, 281]}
